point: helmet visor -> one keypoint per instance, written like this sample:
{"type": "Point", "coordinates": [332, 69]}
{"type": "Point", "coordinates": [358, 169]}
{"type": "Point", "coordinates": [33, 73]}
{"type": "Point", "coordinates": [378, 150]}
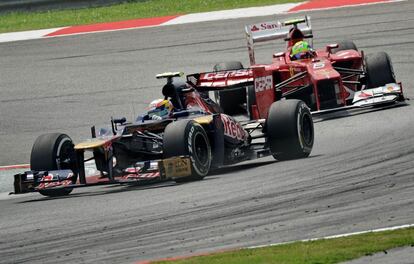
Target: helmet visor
{"type": "Point", "coordinates": [159, 111]}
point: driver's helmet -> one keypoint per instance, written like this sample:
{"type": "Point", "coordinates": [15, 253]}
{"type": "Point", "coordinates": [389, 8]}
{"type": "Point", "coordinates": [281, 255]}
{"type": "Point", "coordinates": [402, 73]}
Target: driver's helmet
{"type": "Point", "coordinates": [301, 50]}
{"type": "Point", "coordinates": [160, 109]}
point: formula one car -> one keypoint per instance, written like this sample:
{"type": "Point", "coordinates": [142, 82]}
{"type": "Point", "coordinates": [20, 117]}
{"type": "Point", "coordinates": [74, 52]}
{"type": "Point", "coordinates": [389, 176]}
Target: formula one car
{"type": "Point", "coordinates": [193, 138]}
{"type": "Point", "coordinates": [338, 77]}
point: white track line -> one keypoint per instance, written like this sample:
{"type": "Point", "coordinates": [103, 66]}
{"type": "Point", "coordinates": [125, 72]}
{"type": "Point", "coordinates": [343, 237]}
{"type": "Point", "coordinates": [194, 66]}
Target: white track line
{"type": "Point", "coordinates": [26, 35]}
{"type": "Point", "coordinates": [345, 6]}
{"type": "Point", "coordinates": [337, 236]}
{"type": "Point", "coordinates": [232, 14]}
{"type": "Point", "coordinates": [12, 167]}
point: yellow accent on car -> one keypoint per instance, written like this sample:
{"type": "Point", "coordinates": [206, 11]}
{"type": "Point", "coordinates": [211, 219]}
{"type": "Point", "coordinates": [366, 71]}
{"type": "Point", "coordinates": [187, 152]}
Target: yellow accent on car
{"type": "Point", "coordinates": [90, 144]}
{"type": "Point", "coordinates": [175, 167]}
{"type": "Point", "coordinates": [203, 120]}
{"type": "Point", "coordinates": [294, 21]}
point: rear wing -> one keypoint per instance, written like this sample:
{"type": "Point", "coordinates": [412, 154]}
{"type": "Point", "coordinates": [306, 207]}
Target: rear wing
{"type": "Point", "coordinates": [273, 30]}
{"type": "Point", "coordinates": [214, 81]}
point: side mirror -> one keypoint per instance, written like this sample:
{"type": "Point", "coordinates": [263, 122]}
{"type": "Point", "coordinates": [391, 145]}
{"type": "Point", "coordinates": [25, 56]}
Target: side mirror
{"type": "Point", "coordinates": [279, 54]}
{"type": "Point", "coordinates": [119, 120]}
{"type": "Point", "coordinates": [331, 46]}
{"type": "Point", "coordinates": [115, 122]}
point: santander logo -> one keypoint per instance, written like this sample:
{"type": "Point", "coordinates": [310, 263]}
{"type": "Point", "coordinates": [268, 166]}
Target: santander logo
{"type": "Point", "coordinates": [254, 28]}
{"type": "Point", "coordinates": [263, 26]}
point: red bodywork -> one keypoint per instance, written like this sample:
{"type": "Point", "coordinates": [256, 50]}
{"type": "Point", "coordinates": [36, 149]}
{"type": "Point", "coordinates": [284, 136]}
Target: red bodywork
{"type": "Point", "coordinates": [318, 73]}
{"type": "Point", "coordinates": [327, 80]}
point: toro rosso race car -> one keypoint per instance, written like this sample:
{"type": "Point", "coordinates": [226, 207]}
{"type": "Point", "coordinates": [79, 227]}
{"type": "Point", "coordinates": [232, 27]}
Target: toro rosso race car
{"type": "Point", "coordinates": [335, 78]}
{"type": "Point", "coordinates": [182, 138]}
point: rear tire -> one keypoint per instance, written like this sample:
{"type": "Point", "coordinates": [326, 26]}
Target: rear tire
{"type": "Point", "coordinates": [290, 130]}
{"type": "Point", "coordinates": [188, 138]}
{"type": "Point", "coordinates": [379, 70]}
{"type": "Point", "coordinates": [230, 101]}
{"type": "Point", "coordinates": [53, 152]}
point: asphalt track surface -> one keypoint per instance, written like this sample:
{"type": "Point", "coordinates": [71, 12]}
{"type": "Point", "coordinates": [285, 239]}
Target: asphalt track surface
{"type": "Point", "coordinates": [360, 175]}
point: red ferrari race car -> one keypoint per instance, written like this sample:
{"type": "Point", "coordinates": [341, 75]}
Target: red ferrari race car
{"type": "Point", "coordinates": [334, 78]}
{"type": "Point", "coordinates": [181, 137]}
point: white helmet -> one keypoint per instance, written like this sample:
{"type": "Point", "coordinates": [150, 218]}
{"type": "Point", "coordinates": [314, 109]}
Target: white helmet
{"type": "Point", "coordinates": [159, 109]}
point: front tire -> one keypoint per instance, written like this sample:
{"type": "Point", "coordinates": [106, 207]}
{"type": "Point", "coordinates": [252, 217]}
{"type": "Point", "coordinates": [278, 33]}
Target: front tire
{"type": "Point", "coordinates": [379, 70]}
{"type": "Point", "coordinates": [345, 45]}
{"type": "Point", "coordinates": [289, 129]}
{"type": "Point", "coordinates": [188, 138]}
{"type": "Point", "coordinates": [53, 151]}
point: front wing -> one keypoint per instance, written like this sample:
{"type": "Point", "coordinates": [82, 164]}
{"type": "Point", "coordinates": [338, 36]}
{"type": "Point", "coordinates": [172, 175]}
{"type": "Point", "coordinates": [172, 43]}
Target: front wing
{"type": "Point", "coordinates": [390, 94]}
{"type": "Point", "coordinates": [142, 172]}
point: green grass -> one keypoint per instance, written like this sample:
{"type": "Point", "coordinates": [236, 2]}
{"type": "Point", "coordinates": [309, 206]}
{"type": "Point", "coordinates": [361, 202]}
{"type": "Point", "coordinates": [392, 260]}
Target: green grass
{"type": "Point", "coordinates": [19, 21]}
{"type": "Point", "coordinates": [320, 251]}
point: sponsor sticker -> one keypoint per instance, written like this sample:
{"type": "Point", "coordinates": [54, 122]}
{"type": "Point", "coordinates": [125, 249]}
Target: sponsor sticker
{"type": "Point", "coordinates": [254, 28]}
{"type": "Point", "coordinates": [365, 94]}
{"type": "Point", "coordinates": [232, 128]}
{"type": "Point", "coordinates": [177, 167]}
{"type": "Point", "coordinates": [225, 74]}
{"type": "Point", "coordinates": [318, 65]}
{"type": "Point", "coordinates": [264, 26]}
{"type": "Point", "coordinates": [47, 181]}
{"type": "Point", "coordinates": [263, 83]}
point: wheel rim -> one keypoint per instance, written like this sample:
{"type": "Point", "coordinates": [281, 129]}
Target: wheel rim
{"type": "Point", "coordinates": [201, 150]}
{"type": "Point", "coordinates": [64, 153]}
{"type": "Point", "coordinates": [306, 130]}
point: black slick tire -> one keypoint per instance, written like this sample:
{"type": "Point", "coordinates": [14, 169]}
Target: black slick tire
{"type": "Point", "coordinates": [188, 138]}
{"type": "Point", "coordinates": [379, 70]}
{"type": "Point", "coordinates": [52, 152]}
{"type": "Point", "coordinates": [289, 129]}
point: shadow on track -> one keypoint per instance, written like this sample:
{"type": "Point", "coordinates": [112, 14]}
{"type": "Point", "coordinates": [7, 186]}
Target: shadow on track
{"type": "Point", "coordinates": [120, 188]}
{"type": "Point", "coordinates": [355, 112]}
